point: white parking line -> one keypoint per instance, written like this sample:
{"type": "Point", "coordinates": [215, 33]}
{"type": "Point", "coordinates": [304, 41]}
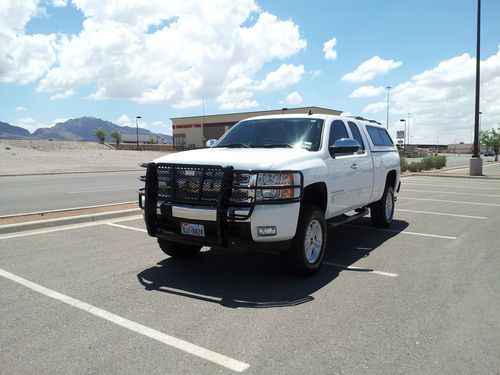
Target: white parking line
{"type": "Point", "coordinates": [174, 342]}
{"type": "Point", "coordinates": [390, 274]}
{"type": "Point", "coordinates": [127, 227]}
{"type": "Point", "coordinates": [402, 232]}
{"type": "Point", "coordinates": [451, 192]}
{"type": "Point", "coordinates": [452, 186]}
{"type": "Point", "coordinates": [448, 201]}
{"type": "Point", "coordinates": [442, 213]}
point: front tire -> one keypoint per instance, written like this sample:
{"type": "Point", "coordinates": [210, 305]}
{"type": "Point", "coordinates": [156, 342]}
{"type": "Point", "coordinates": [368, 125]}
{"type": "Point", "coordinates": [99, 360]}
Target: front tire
{"type": "Point", "coordinates": [308, 246]}
{"type": "Point", "coordinates": [382, 211]}
{"type": "Point", "coordinates": [178, 250]}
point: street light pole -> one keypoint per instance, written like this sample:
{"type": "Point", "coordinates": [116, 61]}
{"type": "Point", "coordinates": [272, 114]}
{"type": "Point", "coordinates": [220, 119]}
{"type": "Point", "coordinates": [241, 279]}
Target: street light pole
{"type": "Point", "coordinates": [388, 89]}
{"type": "Point", "coordinates": [137, 131]}
{"type": "Point", "coordinates": [476, 163]}
{"type": "Point", "coordinates": [409, 114]}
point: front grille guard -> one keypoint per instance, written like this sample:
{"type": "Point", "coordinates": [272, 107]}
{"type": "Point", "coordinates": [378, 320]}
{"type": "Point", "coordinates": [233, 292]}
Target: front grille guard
{"type": "Point", "coordinates": [223, 203]}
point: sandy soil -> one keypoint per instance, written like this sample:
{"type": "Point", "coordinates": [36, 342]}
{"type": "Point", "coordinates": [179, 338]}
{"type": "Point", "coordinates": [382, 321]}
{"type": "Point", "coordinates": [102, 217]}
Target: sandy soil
{"type": "Point", "coordinates": [28, 156]}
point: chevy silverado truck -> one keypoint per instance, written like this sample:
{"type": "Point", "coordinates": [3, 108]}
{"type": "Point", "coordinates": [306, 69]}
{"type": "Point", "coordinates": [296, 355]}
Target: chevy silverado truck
{"type": "Point", "coordinates": [274, 182]}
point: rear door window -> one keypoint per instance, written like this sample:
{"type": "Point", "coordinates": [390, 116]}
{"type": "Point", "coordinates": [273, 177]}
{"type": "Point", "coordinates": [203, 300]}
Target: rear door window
{"type": "Point", "coordinates": [356, 134]}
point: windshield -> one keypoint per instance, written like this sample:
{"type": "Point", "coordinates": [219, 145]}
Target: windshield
{"type": "Point", "coordinates": [277, 132]}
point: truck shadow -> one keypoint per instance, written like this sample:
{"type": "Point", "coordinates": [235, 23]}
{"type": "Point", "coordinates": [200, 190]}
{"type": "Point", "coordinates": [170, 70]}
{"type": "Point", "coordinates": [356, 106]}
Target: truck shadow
{"type": "Point", "coordinates": [238, 278]}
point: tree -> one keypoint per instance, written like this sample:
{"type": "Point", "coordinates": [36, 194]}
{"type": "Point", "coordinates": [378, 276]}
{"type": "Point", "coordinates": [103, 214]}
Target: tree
{"type": "Point", "coordinates": [100, 134]}
{"type": "Point", "coordinates": [203, 141]}
{"type": "Point", "coordinates": [115, 134]}
{"type": "Point", "coordinates": [491, 139]}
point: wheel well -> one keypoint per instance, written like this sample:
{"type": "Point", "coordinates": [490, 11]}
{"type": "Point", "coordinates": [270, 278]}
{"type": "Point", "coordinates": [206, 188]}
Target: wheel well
{"type": "Point", "coordinates": [316, 194]}
{"type": "Point", "coordinates": [391, 179]}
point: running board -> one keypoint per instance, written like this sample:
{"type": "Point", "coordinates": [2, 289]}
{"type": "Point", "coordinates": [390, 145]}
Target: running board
{"type": "Point", "coordinates": [342, 219]}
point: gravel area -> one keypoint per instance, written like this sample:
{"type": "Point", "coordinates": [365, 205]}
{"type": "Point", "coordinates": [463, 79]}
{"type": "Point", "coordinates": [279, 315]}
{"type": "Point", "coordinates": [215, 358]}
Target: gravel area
{"type": "Point", "coordinates": [43, 156]}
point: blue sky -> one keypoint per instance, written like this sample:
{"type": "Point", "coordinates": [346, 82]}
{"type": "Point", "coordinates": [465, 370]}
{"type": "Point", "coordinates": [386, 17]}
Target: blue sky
{"type": "Point", "coordinates": [117, 59]}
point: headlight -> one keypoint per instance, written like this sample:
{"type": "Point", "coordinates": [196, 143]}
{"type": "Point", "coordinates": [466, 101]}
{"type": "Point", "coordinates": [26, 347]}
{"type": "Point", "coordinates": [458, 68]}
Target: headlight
{"type": "Point", "coordinates": [266, 186]}
{"type": "Point", "coordinates": [275, 179]}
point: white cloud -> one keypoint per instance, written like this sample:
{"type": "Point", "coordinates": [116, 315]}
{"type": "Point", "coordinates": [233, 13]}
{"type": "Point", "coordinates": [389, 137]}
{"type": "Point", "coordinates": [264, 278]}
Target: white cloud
{"type": "Point", "coordinates": [20, 109]}
{"type": "Point", "coordinates": [159, 51]}
{"type": "Point", "coordinates": [367, 92]}
{"type": "Point", "coordinates": [375, 107]}
{"type": "Point", "coordinates": [244, 104]}
{"type": "Point", "coordinates": [371, 68]}
{"type": "Point", "coordinates": [59, 3]}
{"type": "Point", "coordinates": [30, 124]}
{"type": "Point", "coordinates": [286, 75]}
{"type": "Point", "coordinates": [124, 120]}
{"type": "Point", "coordinates": [314, 73]}
{"type": "Point", "coordinates": [441, 99]}
{"type": "Point", "coordinates": [293, 98]}
{"type": "Point", "coordinates": [328, 49]}
{"type": "Point", "coordinates": [63, 95]}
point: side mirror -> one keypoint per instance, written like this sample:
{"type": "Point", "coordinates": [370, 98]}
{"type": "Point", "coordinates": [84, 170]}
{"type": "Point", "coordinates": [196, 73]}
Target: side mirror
{"type": "Point", "coordinates": [344, 146]}
{"type": "Point", "coordinates": [211, 142]}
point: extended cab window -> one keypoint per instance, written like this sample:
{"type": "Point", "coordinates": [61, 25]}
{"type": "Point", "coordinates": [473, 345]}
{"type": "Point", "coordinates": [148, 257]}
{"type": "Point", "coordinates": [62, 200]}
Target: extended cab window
{"type": "Point", "coordinates": [337, 131]}
{"type": "Point", "coordinates": [379, 136]}
{"type": "Point", "coordinates": [355, 134]}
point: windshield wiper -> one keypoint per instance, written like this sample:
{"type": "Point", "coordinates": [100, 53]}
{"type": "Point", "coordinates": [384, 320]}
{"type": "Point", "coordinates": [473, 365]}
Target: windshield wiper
{"type": "Point", "coordinates": [235, 145]}
{"type": "Point", "coordinates": [273, 145]}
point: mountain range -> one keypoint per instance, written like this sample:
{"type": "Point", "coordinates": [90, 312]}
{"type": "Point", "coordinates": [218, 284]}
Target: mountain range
{"type": "Point", "coordinates": [78, 129]}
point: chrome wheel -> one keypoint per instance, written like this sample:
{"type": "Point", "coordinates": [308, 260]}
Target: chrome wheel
{"type": "Point", "coordinates": [313, 241]}
{"type": "Point", "coordinates": [389, 206]}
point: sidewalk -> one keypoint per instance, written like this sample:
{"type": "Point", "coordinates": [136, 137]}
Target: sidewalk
{"type": "Point", "coordinates": [491, 170]}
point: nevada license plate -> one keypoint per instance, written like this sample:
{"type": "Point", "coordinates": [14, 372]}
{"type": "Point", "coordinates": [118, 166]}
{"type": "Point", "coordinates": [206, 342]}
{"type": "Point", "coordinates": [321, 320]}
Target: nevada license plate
{"type": "Point", "coordinates": [193, 229]}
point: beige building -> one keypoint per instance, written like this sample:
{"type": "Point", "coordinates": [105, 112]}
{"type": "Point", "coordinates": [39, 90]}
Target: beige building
{"type": "Point", "coordinates": [190, 132]}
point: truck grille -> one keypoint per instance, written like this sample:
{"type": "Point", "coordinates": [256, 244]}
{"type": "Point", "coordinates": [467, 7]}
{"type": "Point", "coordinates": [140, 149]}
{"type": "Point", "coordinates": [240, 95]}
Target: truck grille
{"type": "Point", "coordinates": [190, 184]}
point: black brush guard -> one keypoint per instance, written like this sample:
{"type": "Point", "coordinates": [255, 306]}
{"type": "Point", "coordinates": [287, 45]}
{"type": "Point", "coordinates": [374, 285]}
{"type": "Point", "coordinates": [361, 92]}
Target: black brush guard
{"type": "Point", "coordinates": [206, 186]}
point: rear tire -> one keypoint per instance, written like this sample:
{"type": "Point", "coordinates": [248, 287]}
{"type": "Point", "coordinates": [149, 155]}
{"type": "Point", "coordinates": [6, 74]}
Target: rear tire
{"type": "Point", "coordinates": [382, 211]}
{"type": "Point", "coordinates": [178, 250]}
{"type": "Point", "coordinates": [308, 246]}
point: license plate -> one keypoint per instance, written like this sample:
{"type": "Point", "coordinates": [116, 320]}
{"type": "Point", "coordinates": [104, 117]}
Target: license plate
{"type": "Point", "coordinates": [193, 229]}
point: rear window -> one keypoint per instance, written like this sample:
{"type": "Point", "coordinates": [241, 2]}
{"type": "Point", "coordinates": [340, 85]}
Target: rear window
{"type": "Point", "coordinates": [379, 136]}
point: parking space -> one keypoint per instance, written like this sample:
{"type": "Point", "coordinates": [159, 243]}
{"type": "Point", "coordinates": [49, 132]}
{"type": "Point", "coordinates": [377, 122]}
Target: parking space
{"type": "Point", "coordinates": [420, 296]}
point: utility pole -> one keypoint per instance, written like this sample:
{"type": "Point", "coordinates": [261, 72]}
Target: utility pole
{"type": "Point", "coordinates": [476, 163]}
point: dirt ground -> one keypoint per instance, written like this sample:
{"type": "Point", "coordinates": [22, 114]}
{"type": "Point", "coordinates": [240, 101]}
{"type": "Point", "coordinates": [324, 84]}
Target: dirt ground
{"type": "Point", "coordinates": [43, 156]}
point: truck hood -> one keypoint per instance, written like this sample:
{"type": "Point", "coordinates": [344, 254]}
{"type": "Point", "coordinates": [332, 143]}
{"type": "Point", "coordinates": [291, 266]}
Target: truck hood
{"type": "Point", "coordinates": [238, 158]}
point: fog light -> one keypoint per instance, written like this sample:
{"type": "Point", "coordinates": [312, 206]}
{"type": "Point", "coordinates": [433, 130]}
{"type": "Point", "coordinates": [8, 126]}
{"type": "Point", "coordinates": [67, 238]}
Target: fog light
{"type": "Point", "coordinates": [267, 231]}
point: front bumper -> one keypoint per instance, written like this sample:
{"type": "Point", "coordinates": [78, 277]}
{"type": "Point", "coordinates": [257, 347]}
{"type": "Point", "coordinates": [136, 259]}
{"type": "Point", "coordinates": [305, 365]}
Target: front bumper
{"type": "Point", "coordinates": [234, 231]}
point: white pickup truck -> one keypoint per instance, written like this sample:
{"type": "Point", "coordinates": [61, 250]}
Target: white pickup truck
{"type": "Point", "coordinates": [276, 182]}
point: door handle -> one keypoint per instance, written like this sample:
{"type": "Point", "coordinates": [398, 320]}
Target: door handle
{"type": "Point", "coordinates": [354, 166]}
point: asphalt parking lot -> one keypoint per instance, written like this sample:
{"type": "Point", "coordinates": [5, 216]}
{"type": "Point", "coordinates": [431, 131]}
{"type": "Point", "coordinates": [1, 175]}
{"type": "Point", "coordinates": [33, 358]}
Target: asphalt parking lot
{"type": "Point", "coordinates": [419, 297]}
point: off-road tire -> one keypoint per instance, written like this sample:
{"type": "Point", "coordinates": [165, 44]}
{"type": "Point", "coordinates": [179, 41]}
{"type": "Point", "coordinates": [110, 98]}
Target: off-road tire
{"type": "Point", "coordinates": [296, 260]}
{"type": "Point", "coordinates": [382, 215]}
{"type": "Point", "coordinates": [178, 250]}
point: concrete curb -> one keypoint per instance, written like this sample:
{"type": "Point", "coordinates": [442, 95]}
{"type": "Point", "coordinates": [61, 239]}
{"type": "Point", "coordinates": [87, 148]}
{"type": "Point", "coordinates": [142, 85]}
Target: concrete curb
{"type": "Point", "coordinates": [452, 175]}
{"type": "Point", "coordinates": [43, 224]}
{"type": "Point", "coordinates": [70, 172]}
